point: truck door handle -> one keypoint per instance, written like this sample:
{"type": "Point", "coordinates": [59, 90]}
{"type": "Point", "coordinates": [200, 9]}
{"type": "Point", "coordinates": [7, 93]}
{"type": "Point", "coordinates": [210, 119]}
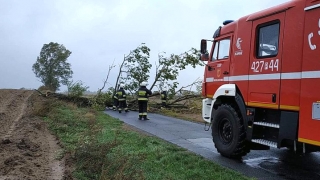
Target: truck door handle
{"type": "Point", "coordinates": [225, 72]}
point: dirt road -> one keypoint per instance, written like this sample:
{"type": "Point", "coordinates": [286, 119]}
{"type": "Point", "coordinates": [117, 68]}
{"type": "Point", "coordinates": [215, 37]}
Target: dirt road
{"type": "Point", "coordinates": [27, 149]}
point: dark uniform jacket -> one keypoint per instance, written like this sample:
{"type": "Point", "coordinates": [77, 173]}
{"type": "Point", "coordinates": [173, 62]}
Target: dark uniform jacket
{"type": "Point", "coordinates": [115, 96]}
{"type": "Point", "coordinates": [121, 94]}
{"type": "Point", "coordinates": [143, 94]}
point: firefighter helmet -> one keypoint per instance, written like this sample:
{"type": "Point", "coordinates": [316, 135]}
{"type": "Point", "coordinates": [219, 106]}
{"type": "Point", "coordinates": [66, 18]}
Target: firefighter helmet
{"type": "Point", "coordinates": [143, 83]}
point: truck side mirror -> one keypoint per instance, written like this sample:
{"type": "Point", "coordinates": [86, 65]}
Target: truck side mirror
{"type": "Point", "coordinates": [203, 48]}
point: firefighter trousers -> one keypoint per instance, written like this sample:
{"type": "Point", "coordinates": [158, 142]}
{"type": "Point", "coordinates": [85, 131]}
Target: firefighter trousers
{"type": "Point", "coordinates": [143, 105]}
{"type": "Point", "coordinates": [164, 103]}
{"type": "Point", "coordinates": [122, 105]}
{"type": "Point", "coordinates": [115, 104]}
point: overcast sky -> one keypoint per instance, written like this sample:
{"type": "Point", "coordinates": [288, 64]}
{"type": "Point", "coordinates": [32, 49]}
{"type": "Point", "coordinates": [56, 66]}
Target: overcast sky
{"type": "Point", "coordinates": [100, 31]}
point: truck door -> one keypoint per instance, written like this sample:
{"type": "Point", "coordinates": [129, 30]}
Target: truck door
{"type": "Point", "coordinates": [309, 120]}
{"type": "Point", "coordinates": [218, 64]}
{"type": "Point", "coordinates": [265, 61]}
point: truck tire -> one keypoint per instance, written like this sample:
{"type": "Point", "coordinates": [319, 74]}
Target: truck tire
{"type": "Point", "coordinates": [228, 132]}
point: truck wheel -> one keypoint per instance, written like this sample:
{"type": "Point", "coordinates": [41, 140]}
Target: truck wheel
{"type": "Point", "coordinates": [228, 132]}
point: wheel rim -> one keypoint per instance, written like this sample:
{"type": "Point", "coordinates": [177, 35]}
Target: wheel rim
{"type": "Point", "coordinates": [225, 131]}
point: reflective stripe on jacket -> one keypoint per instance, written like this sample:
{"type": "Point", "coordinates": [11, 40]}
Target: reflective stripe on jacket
{"type": "Point", "coordinates": [121, 94]}
{"type": "Point", "coordinates": [143, 94]}
{"type": "Point", "coordinates": [115, 96]}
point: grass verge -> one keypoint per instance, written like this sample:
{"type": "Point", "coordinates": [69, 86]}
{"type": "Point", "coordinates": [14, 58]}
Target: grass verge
{"type": "Point", "coordinates": [184, 115]}
{"type": "Point", "coordinates": [101, 148]}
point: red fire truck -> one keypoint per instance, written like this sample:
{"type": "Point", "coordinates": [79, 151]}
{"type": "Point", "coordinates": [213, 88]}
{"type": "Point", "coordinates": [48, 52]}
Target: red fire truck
{"type": "Point", "coordinates": [261, 83]}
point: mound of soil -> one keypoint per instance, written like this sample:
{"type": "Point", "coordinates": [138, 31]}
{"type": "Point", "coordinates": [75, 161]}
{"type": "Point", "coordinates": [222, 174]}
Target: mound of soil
{"type": "Point", "coordinates": [27, 149]}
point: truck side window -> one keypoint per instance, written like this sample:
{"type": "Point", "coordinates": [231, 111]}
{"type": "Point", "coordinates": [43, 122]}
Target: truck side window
{"type": "Point", "coordinates": [221, 49]}
{"type": "Point", "coordinates": [268, 42]}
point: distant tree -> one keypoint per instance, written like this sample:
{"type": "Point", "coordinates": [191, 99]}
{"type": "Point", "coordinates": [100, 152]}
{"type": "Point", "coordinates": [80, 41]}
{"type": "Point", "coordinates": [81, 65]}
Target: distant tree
{"type": "Point", "coordinates": [52, 67]}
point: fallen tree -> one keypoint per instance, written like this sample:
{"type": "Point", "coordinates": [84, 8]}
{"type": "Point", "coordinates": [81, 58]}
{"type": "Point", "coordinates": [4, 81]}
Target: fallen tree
{"type": "Point", "coordinates": [135, 68]}
{"type": "Point", "coordinates": [77, 100]}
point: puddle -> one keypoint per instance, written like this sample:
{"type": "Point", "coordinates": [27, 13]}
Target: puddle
{"type": "Point", "coordinates": [256, 162]}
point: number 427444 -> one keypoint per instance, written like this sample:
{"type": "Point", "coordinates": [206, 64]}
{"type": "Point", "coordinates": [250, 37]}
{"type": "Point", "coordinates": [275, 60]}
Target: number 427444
{"type": "Point", "coordinates": [259, 66]}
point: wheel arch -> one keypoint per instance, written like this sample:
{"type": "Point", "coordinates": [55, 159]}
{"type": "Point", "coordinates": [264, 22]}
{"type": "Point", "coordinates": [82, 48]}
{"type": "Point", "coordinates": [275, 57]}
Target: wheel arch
{"type": "Point", "coordinates": [234, 97]}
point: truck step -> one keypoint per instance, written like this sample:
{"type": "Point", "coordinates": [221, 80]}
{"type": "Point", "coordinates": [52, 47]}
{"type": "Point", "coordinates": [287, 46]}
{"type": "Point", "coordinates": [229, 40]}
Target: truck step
{"type": "Point", "coordinates": [265, 142]}
{"type": "Point", "coordinates": [267, 124]}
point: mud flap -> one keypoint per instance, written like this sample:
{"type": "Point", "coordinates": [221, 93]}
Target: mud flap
{"type": "Point", "coordinates": [205, 125]}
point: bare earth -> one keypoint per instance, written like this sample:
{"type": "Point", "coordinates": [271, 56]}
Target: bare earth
{"type": "Point", "coordinates": [27, 149]}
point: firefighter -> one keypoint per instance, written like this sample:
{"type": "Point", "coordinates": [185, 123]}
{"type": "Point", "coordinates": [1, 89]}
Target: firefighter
{"type": "Point", "coordinates": [121, 94]}
{"type": "Point", "coordinates": [164, 97]}
{"type": "Point", "coordinates": [115, 102]}
{"type": "Point", "coordinates": [143, 94]}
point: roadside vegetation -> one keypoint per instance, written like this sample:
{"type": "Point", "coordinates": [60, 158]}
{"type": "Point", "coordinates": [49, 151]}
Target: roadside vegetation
{"type": "Point", "coordinates": [183, 101]}
{"type": "Point", "coordinates": [101, 147]}
{"type": "Point", "coordinates": [97, 146]}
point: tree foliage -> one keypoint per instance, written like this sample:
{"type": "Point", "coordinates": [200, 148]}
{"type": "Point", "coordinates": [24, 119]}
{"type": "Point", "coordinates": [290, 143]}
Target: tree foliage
{"type": "Point", "coordinates": [52, 67]}
{"type": "Point", "coordinates": [103, 99]}
{"type": "Point", "coordinates": [168, 68]}
{"type": "Point", "coordinates": [137, 67]}
{"type": "Point", "coordinates": [76, 89]}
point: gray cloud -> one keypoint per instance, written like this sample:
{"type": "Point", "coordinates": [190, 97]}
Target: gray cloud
{"type": "Point", "coordinates": [97, 32]}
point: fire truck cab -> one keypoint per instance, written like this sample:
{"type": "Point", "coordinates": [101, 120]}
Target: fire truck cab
{"type": "Point", "coordinates": [261, 84]}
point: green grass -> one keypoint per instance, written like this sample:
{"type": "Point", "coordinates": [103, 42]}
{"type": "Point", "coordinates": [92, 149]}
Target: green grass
{"type": "Point", "coordinates": [188, 116]}
{"type": "Point", "coordinates": [102, 149]}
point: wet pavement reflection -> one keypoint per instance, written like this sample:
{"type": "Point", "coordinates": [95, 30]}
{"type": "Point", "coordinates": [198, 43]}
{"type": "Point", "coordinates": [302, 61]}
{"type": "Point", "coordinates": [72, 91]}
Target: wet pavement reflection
{"type": "Point", "coordinates": [285, 163]}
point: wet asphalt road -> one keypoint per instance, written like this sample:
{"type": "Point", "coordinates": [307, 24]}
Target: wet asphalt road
{"type": "Point", "coordinates": [263, 164]}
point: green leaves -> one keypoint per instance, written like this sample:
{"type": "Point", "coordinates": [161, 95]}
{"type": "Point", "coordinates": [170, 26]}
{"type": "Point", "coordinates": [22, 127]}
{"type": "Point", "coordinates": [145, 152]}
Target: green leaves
{"type": "Point", "coordinates": [168, 68]}
{"type": "Point", "coordinates": [137, 68]}
{"type": "Point", "coordinates": [52, 67]}
{"type": "Point", "coordinates": [76, 89]}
